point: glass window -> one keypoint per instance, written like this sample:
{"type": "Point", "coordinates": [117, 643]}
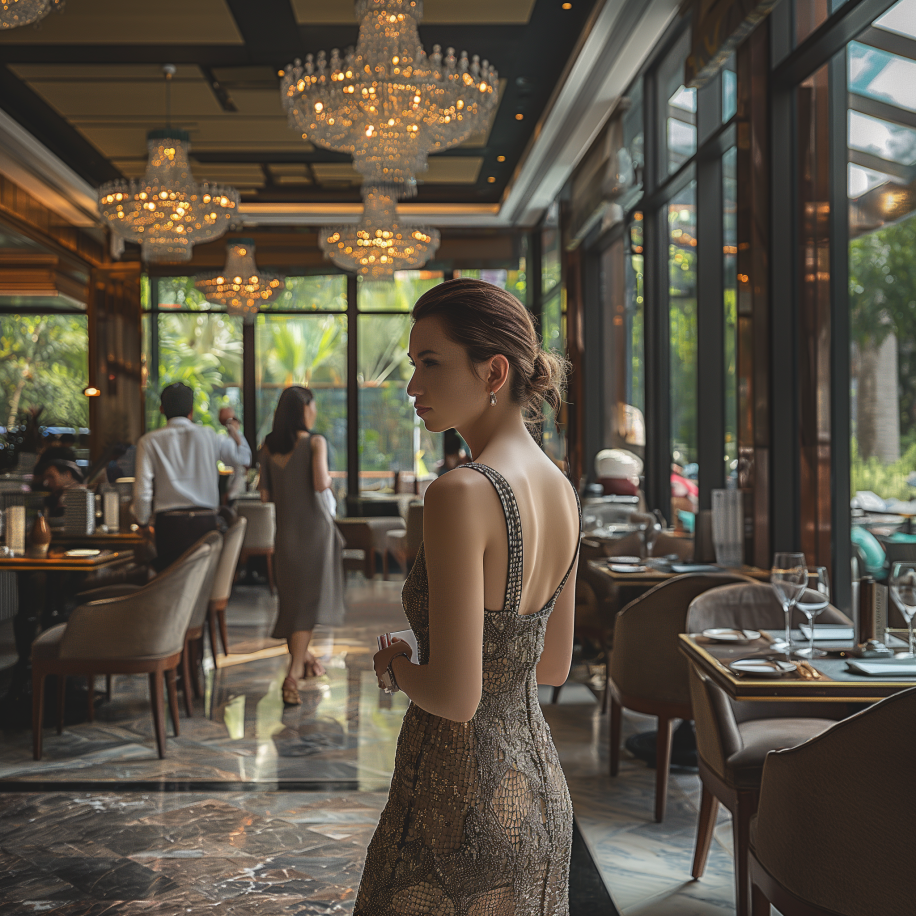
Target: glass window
{"type": "Point", "coordinates": [180, 293]}
{"type": "Point", "coordinates": [678, 109]}
{"type": "Point", "coordinates": [729, 90]}
{"type": "Point", "coordinates": [810, 14]}
{"type": "Point", "coordinates": [891, 142]}
{"type": "Point", "coordinates": [44, 363]}
{"type": "Point", "coordinates": [879, 75]}
{"type": "Point", "coordinates": [682, 311]}
{"type": "Point", "coordinates": [513, 280]}
{"type": "Point", "coordinates": [310, 351]}
{"type": "Point", "coordinates": [900, 18]}
{"type": "Point", "coordinates": [635, 311]}
{"type": "Point", "coordinates": [633, 145]}
{"type": "Point", "coordinates": [397, 295]}
{"type": "Point", "coordinates": [312, 294]}
{"type": "Point", "coordinates": [551, 269]}
{"type": "Point", "coordinates": [730, 304]}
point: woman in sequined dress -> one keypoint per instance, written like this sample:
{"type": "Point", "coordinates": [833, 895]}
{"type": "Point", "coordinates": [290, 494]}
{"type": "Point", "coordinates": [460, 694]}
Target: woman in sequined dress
{"type": "Point", "coordinates": [479, 820]}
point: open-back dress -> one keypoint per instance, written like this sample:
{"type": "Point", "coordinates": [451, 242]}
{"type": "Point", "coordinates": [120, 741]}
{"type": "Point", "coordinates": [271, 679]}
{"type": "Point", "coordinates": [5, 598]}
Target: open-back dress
{"type": "Point", "coordinates": [479, 819]}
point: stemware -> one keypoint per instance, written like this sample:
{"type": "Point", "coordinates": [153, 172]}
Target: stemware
{"type": "Point", "coordinates": [812, 602]}
{"type": "Point", "coordinates": [903, 592]}
{"type": "Point", "coordinates": [789, 578]}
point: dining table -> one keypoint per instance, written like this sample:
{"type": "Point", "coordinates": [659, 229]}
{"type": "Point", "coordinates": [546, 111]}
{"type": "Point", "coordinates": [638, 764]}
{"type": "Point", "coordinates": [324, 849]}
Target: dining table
{"type": "Point", "coordinates": [826, 679]}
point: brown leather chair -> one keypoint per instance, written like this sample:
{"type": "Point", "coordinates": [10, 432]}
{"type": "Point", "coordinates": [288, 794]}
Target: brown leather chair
{"type": "Point", "coordinates": [647, 672]}
{"type": "Point", "coordinates": [140, 632]}
{"type": "Point", "coordinates": [733, 739]}
{"type": "Point", "coordinates": [259, 535]}
{"type": "Point", "coordinates": [829, 838]}
{"type": "Point", "coordinates": [222, 584]}
{"type": "Point", "coordinates": [404, 543]}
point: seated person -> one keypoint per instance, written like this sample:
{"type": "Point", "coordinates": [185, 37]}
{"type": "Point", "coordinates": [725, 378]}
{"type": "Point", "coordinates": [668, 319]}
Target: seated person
{"type": "Point", "coordinates": [57, 472]}
{"type": "Point", "coordinates": [113, 470]}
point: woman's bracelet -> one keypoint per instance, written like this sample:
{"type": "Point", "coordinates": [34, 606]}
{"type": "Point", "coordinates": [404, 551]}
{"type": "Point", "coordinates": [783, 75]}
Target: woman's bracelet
{"type": "Point", "coordinates": [394, 681]}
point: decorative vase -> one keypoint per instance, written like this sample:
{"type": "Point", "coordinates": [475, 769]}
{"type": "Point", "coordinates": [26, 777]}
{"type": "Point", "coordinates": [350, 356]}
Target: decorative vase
{"type": "Point", "coordinates": [39, 537]}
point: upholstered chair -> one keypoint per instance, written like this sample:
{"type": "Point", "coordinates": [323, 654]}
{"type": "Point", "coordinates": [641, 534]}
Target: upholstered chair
{"type": "Point", "coordinates": [365, 538]}
{"type": "Point", "coordinates": [647, 672]}
{"type": "Point", "coordinates": [404, 543]}
{"type": "Point", "coordinates": [259, 534]}
{"type": "Point", "coordinates": [222, 584]}
{"type": "Point", "coordinates": [733, 738]}
{"type": "Point", "coordinates": [830, 835]}
{"type": "Point", "coordinates": [140, 632]}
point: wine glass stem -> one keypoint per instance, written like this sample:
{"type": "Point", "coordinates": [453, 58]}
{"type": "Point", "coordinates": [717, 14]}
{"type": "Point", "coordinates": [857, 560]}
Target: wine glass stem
{"type": "Point", "coordinates": [910, 625]}
{"type": "Point", "coordinates": [788, 612]}
{"type": "Point", "coordinates": [811, 636]}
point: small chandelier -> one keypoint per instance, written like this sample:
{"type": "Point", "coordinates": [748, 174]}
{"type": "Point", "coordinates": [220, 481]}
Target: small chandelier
{"type": "Point", "coordinates": [379, 245]}
{"type": "Point", "coordinates": [166, 211]}
{"type": "Point", "coordinates": [16, 13]}
{"type": "Point", "coordinates": [240, 286]}
{"type": "Point", "coordinates": [386, 102]}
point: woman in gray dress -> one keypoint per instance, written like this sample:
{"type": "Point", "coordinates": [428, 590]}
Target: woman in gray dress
{"type": "Point", "coordinates": [307, 550]}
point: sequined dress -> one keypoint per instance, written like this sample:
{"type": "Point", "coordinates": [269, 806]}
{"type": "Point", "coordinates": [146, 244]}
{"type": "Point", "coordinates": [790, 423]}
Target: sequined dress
{"type": "Point", "coordinates": [479, 819]}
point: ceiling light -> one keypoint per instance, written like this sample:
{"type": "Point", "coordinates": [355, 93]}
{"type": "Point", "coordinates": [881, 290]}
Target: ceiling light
{"type": "Point", "coordinates": [519, 117]}
{"type": "Point", "coordinates": [491, 179]}
{"type": "Point", "coordinates": [240, 287]}
{"type": "Point", "coordinates": [16, 13]}
{"type": "Point", "coordinates": [567, 6]}
{"type": "Point", "coordinates": [500, 158]}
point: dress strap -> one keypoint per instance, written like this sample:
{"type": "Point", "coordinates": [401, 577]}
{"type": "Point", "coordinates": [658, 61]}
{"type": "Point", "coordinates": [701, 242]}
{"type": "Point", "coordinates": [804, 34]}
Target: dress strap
{"type": "Point", "coordinates": [514, 531]}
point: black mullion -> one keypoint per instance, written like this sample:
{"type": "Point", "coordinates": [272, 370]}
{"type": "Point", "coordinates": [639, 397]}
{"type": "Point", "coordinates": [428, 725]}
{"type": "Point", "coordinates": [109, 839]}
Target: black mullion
{"type": "Point", "coordinates": [152, 371]}
{"type": "Point", "coordinates": [840, 421]}
{"type": "Point", "coordinates": [352, 390]}
{"type": "Point", "coordinates": [249, 392]}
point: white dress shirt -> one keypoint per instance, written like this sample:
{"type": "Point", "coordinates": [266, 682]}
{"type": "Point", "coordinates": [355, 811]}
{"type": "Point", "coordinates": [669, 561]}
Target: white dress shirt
{"type": "Point", "coordinates": [176, 467]}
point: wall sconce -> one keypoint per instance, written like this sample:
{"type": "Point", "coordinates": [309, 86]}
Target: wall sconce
{"type": "Point", "coordinates": [91, 392]}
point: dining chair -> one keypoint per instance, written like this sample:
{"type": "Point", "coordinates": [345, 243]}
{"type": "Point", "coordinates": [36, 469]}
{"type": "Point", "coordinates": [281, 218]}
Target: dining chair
{"type": "Point", "coordinates": [404, 543]}
{"type": "Point", "coordinates": [829, 838]}
{"type": "Point", "coordinates": [733, 738]}
{"type": "Point", "coordinates": [259, 535]}
{"type": "Point", "coordinates": [222, 584]}
{"type": "Point", "coordinates": [139, 632]}
{"type": "Point", "coordinates": [647, 672]}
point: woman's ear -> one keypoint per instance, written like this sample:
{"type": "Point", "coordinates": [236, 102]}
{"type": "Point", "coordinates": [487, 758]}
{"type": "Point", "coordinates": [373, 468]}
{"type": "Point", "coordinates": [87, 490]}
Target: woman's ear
{"type": "Point", "coordinates": [498, 373]}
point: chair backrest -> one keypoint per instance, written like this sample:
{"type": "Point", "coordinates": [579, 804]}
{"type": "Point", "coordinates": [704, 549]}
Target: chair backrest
{"type": "Point", "coordinates": [750, 605]}
{"type": "Point", "coordinates": [646, 661]}
{"type": "Point", "coordinates": [202, 601]}
{"type": "Point", "coordinates": [229, 559]}
{"type": "Point", "coordinates": [825, 830]}
{"type": "Point", "coordinates": [262, 524]}
{"type": "Point", "coordinates": [414, 529]}
{"type": "Point", "coordinates": [148, 623]}
{"type": "Point", "coordinates": [716, 727]}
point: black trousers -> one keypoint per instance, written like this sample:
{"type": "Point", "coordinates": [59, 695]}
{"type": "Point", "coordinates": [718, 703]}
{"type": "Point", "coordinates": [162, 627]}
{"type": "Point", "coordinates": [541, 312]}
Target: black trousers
{"type": "Point", "coordinates": [179, 529]}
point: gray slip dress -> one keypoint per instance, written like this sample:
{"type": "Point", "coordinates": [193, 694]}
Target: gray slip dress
{"type": "Point", "coordinates": [308, 563]}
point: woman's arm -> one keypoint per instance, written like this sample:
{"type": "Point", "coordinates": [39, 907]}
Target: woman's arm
{"type": "Point", "coordinates": [321, 479]}
{"type": "Point", "coordinates": [450, 684]}
{"type": "Point", "coordinates": [553, 667]}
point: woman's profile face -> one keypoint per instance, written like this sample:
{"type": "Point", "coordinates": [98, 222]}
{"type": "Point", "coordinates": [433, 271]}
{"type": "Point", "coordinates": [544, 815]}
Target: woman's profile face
{"type": "Point", "coordinates": [447, 390]}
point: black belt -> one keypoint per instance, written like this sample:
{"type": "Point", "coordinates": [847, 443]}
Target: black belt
{"type": "Point", "coordinates": [189, 512]}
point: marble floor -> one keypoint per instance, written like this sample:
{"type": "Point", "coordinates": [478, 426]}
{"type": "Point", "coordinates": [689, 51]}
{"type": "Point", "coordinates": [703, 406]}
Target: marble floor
{"type": "Point", "coordinates": [262, 809]}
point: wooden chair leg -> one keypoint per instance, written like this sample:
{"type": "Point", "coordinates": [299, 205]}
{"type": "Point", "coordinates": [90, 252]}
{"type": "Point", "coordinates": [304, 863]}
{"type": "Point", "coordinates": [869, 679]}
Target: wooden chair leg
{"type": "Point", "coordinates": [271, 583]}
{"type": "Point", "coordinates": [607, 677]}
{"type": "Point", "coordinates": [211, 626]}
{"type": "Point", "coordinates": [108, 687]}
{"type": "Point", "coordinates": [195, 646]}
{"type": "Point", "coordinates": [61, 701]}
{"type": "Point", "coordinates": [706, 824]}
{"type": "Point", "coordinates": [158, 705]}
{"type": "Point", "coordinates": [614, 731]}
{"type": "Point", "coordinates": [173, 698]}
{"type": "Point", "coordinates": [223, 630]}
{"type": "Point", "coordinates": [90, 696]}
{"type": "Point", "coordinates": [745, 809]}
{"type": "Point", "coordinates": [38, 708]}
{"type": "Point", "coordinates": [186, 680]}
{"type": "Point", "coordinates": [662, 766]}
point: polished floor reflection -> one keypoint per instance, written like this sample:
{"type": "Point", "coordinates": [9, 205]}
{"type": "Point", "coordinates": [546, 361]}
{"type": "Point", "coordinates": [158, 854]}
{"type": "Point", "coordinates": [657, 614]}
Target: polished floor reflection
{"type": "Point", "coordinates": [274, 806]}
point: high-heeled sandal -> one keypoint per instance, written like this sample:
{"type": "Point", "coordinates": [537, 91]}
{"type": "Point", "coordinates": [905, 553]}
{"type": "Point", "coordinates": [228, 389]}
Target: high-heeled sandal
{"type": "Point", "coordinates": [290, 692]}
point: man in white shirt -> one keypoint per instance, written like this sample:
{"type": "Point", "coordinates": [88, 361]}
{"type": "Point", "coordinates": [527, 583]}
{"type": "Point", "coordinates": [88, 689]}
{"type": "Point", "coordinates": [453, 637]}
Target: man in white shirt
{"type": "Point", "coordinates": [176, 475]}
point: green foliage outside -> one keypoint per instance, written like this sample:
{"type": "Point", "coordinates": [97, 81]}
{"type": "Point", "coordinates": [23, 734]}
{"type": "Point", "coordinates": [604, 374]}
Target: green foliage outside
{"type": "Point", "coordinates": [887, 480]}
{"type": "Point", "coordinates": [44, 363]}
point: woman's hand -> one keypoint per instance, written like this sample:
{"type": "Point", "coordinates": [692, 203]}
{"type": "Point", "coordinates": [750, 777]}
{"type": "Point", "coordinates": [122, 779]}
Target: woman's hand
{"type": "Point", "coordinates": [383, 657]}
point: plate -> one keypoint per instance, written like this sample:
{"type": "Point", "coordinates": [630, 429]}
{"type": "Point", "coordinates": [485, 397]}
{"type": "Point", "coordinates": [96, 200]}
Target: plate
{"type": "Point", "coordinates": [762, 667]}
{"type": "Point", "coordinates": [83, 552]}
{"type": "Point", "coordinates": [623, 561]}
{"type": "Point", "coordinates": [729, 634]}
{"type": "Point", "coordinates": [625, 568]}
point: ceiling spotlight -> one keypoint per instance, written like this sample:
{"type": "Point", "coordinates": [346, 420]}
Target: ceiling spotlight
{"type": "Point", "coordinates": [519, 117]}
{"type": "Point", "coordinates": [500, 158]}
{"type": "Point", "coordinates": [567, 6]}
{"type": "Point", "coordinates": [491, 179]}
{"type": "Point", "coordinates": [91, 392]}
{"type": "Point", "coordinates": [281, 73]}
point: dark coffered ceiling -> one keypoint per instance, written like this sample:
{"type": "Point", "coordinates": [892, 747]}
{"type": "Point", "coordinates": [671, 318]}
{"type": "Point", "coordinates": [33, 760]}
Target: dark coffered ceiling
{"type": "Point", "coordinates": [88, 84]}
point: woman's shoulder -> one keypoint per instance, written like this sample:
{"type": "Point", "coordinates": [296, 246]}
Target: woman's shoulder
{"type": "Point", "coordinates": [460, 485]}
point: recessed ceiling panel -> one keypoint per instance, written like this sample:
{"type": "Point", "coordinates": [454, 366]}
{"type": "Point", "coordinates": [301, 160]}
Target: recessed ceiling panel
{"type": "Point", "coordinates": [326, 172]}
{"type": "Point", "coordinates": [182, 22]}
{"type": "Point", "coordinates": [435, 12]}
{"type": "Point", "coordinates": [452, 170]}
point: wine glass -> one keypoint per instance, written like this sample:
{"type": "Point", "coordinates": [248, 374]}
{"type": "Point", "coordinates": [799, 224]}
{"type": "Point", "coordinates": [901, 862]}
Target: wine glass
{"type": "Point", "coordinates": [789, 578]}
{"type": "Point", "coordinates": [903, 591]}
{"type": "Point", "coordinates": [812, 601]}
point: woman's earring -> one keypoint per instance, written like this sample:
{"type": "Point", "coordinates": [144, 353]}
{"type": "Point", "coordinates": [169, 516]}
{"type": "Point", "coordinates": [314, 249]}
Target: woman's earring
{"type": "Point", "coordinates": [492, 398]}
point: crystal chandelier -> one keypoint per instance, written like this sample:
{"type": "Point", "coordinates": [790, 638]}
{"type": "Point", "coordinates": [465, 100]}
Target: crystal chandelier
{"type": "Point", "coordinates": [378, 245]}
{"type": "Point", "coordinates": [240, 286]}
{"type": "Point", "coordinates": [16, 13]}
{"type": "Point", "coordinates": [386, 102]}
{"type": "Point", "coordinates": [166, 211]}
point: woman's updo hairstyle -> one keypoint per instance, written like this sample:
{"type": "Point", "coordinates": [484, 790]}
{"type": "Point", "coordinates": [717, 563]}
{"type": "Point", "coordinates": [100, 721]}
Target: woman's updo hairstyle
{"type": "Point", "coordinates": [488, 321]}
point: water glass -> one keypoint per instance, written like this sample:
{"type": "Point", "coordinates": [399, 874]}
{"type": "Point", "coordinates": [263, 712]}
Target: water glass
{"type": "Point", "coordinates": [903, 592]}
{"type": "Point", "coordinates": [789, 578]}
{"type": "Point", "coordinates": [812, 602]}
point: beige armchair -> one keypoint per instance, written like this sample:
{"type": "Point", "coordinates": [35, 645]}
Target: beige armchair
{"type": "Point", "coordinates": [829, 838]}
{"type": "Point", "coordinates": [404, 543]}
{"type": "Point", "coordinates": [222, 584]}
{"type": "Point", "coordinates": [647, 672]}
{"type": "Point", "coordinates": [733, 739]}
{"type": "Point", "coordinates": [141, 632]}
{"type": "Point", "coordinates": [259, 535]}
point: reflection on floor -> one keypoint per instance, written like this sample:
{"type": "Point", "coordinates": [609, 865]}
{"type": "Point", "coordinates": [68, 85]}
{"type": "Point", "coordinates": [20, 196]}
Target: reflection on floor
{"type": "Point", "coordinates": [243, 838]}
